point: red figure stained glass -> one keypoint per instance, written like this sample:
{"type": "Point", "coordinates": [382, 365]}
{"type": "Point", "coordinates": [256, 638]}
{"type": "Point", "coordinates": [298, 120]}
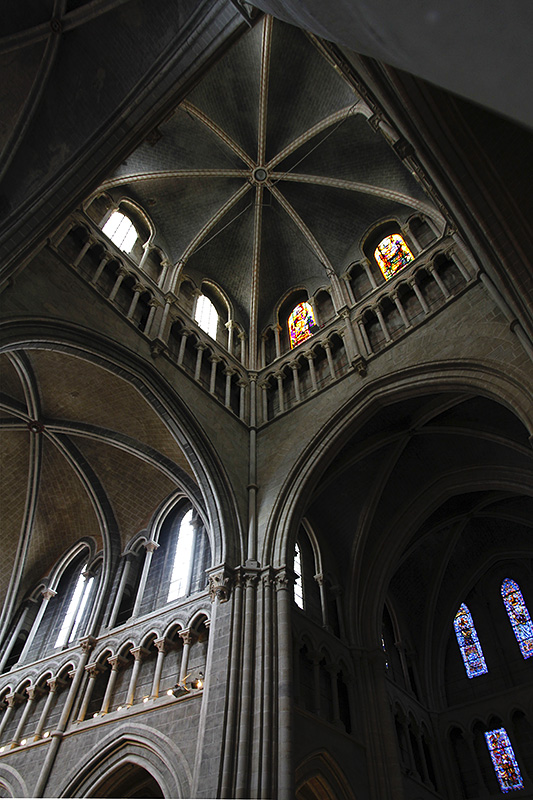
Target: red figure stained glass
{"type": "Point", "coordinates": [300, 323]}
{"type": "Point", "coordinates": [519, 616]}
{"type": "Point", "coordinates": [504, 760]}
{"type": "Point", "coordinates": [392, 254]}
{"type": "Point", "coordinates": [469, 643]}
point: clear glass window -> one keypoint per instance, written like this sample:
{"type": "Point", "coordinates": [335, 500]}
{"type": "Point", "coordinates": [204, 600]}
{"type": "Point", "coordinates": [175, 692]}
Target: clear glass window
{"type": "Point", "coordinates": [121, 231]}
{"type": "Point", "coordinates": [181, 570]}
{"type": "Point", "coordinates": [206, 316]}
{"type": "Point", "coordinates": [298, 582]}
{"type": "Point", "coordinates": [76, 608]}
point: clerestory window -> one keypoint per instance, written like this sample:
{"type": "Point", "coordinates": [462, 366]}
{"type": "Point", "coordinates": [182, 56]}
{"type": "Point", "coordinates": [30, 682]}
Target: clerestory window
{"type": "Point", "coordinates": [121, 230]}
{"type": "Point", "coordinates": [76, 608]}
{"type": "Point", "coordinates": [206, 315]}
{"type": "Point", "coordinates": [504, 760]}
{"type": "Point", "coordinates": [298, 581]}
{"type": "Point", "coordinates": [519, 616]}
{"type": "Point", "coordinates": [468, 641]}
{"type": "Point", "coordinates": [301, 323]}
{"type": "Point", "coordinates": [392, 254]}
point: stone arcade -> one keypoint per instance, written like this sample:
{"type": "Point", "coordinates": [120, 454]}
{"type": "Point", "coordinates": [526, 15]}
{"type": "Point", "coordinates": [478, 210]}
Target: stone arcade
{"type": "Point", "coordinates": [266, 416]}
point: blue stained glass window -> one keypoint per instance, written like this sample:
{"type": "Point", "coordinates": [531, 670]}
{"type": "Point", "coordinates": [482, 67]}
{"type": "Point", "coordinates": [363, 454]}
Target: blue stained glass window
{"type": "Point", "coordinates": [469, 643]}
{"type": "Point", "coordinates": [504, 760]}
{"type": "Point", "coordinates": [519, 616]}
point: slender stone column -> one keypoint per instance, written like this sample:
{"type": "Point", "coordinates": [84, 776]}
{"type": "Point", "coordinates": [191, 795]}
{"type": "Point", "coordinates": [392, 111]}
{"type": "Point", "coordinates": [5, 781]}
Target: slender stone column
{"type": "Point", "coordinates": [230, 327]}
{"type": "Point", "coordinates": [121, 274]}
{"type": "Point", "coordinates": [245, 728]}
{"type": "Point", "coordinates": [242, 384]}
{"type": "Point", "coordinates": [319, 578]}
{"type": "Point", "coordinates": [14, 636]}
{"type": "Point", "coordinates": [150, 547]}
{"type": "Point", "coordinates": [53, 685]}
{"type": "Point", "coordinates": [116, 663]}
{"type": "Point", "coordinates": [420, 296]}
{"type": "Point", "coordinates": [295, 366]}
{"type": "Point", "coordinates": [242, 340]}
{"type": "Point", "coordinates": [228, 372]}
{"type": "Point", "coordinates": [438, 280]}
{"type": "Point", "coordinates": [326, 344]}
{"type": "Point", "coordinates": [92, 670]}
{"type": "Point", "coordinates": [61, 234]}
{"type": "Point", "coordinates": [138, 289]}
{"type": "Point", "coordinates": [348, 289]}
{"type": "Point", "coordinates": [370, 275]}
{"type": "Point", "coordinates": [162, 649]}
{"type": "Point", "coordinates": [88, 244]}
{"type": "Point", "coordinates": [412, 759]}
{"type": "Point", "coordinates": [12, 702]}
{"type": "Point", "coordinates": [263, 350]}
{"type": "Point", "coordinates": [266, 755]}
{"type": "Point", "coordinates": [101, 266]}
{"type": "Point", "coordinates": [187, 638]}
{"type": "Point", "coordinates": [333, 674]}
{"type": "Point", "coordinates": [165, 266]}
{"type": "Point", "coordinates": [32, 694]}
{"type": "Point", "coordinates": [279, 377]}
{"type": "Point", "coordinates": [310, 356]}
{"type": "Point", "coordinates": [381, 320]}
{"type": "Point", "coordinates": [233, 692]}
{"type": "Point", "coordinates": [185, 333]}
{"type": "Point", "coordinates": [139, 654]}
{"type": "Point", "coordinates": [452, 255]}
{"type": "Point", "coordinates": [214, 359]}
{"type": "Point", "coordinates": [277, 340]}
{"type": "Point", "coordinates": [47, 596]}
{"type": "Point", "coordinates": [285, 789]}
{"type": "Point", "coordinates": [364, 336]}
{"type": "Point", "coordinates": [126, 569]}
{"type": "Point", "coordinates": [86, 645]}
{"type": "Point", "coordinates": [337, 592]}
{"type": "Point", "coordinates": [163, 334]}
{"type": "Point", "coordinates": [264, 400]}
{"type": "Point", "coordinates": [200, 347]}
{"type": "Point", "coordinates": [348, 336]}
{"type": "Point", "coordinates": [401, 310]}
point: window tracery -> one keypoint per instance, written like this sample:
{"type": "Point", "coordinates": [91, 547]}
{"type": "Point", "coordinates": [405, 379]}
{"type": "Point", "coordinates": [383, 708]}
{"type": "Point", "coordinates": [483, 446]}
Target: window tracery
{"type": "Point", "coordinates": [519, 616]}
{"type": "Point", "coordinates": [469, 644]}
{"type": "Point", "coordinates": [121, 230]}
{"type": "Point", "coordinates": [504, 760]}
{"type": "Point", "coordinates": [392, 254]}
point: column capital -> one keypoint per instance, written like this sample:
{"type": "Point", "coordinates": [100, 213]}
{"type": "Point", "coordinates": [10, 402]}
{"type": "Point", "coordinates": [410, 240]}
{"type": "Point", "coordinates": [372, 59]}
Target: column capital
{"type": "Point", "coordinates": [54, 684]}
{"type": "Point", "coordinates": [294, 365]}
{"type": "Point", "coordinates": [162, 645]}
{"type": "Point", "coordinates": [87, 643]}
{"type": "Point", "coordinates": [200, 345]}
{"type": "Point", "coordinates": [116, 662]}
{"type": "Point", "coordinates": [187, 636]}
{"type": "Point", "coordinates": [284, 579]}
{"type": "Point", "coordinates": [231, 325]}
{"type": "Point", "coordinates": [139, 653]}
{"type": "Point", "coordinates": [48, 594]}
{"type": "Point", "coordinates": [151, 546]}
{"type": "Point", "coordinates": [309, 355]}
{"type": "Point", "coordinates": [155, 303]}
{"type": "Point", "coordinates": [93, 670]}
{"type": "Point", "coordinates": [139, 288]}
{"type": "Point", "coordinates": [122, 270]}
{"type": "Point", "coordinates": [220, 583]}
{"type": "Point", "coordinates": [214, 358]}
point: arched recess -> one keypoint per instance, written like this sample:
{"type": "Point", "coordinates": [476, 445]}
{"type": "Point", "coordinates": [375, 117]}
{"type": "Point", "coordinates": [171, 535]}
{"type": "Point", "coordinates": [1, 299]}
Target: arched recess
{"type": "Point", "coordinates": [128, 780]}
{"type": "Point", "coordinates": [150, 751]}
{"type": "Point", "coordinates": [12, 782]}
{"type": "Point", "coordinates": [219, 499]}
{"type": "Point", "coordinates": [319, 777]}
{"type": "Point", "coordinates": [306, 474]}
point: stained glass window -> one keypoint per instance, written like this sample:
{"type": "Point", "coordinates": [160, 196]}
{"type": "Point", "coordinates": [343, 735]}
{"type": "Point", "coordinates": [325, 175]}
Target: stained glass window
{"type": "Point", "coordinates": [392, 254]}
{"type": "Point", "coordinates": [301, 322]}
{"type": "Point", "coordinates": [519, 616]}
{"type": "Point", "coordinates": [298, 582]}
{"type": "Point", "coordinates": [469, 643]}
{"type": "Point", "coordinates": [504, 760]}
{"type": "Point", "coordinates": [121, 231]}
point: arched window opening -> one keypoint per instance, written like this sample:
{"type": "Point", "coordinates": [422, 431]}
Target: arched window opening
{"type": "Point", "coordinates": [76, 608]}
{"type": "Point", "coordinates": [121, 230]}
{"type": "Point", "coordinates": [301, 323]}
{"type": "Point", "coordinates": [298, 582]}
{"type": "Point", "coordinates": [206, 316]}
{"type": "Point", "coordinates": [518, 616]}
{"type": "Point", "coordinates": [179, 579]}
{"type": "Point", "coordinates": [468, 641]}
{"type": "Point", "coordinates": [392, 254]}
{"type": "Point", "coordinates": [504, 760]}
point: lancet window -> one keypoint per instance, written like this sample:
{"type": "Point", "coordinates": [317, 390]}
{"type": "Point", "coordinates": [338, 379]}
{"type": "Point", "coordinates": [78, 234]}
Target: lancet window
{"type": "Point", "coordinates": [298, 581]}
{"type": "Point", "coordinates": [504, 760]}
{"type": "Point", "coordinates": [469, 644]}
{"type": "Point", "coordinates": [519, 616]}
{"type": "Point", "coordinates": [206, 315]}
{"type": "Point", "coordinates": [301, 323]}
{"type": "Point", "coordinates": [392, 254]}
{"type": "Point", "coordinates": [121, 230]}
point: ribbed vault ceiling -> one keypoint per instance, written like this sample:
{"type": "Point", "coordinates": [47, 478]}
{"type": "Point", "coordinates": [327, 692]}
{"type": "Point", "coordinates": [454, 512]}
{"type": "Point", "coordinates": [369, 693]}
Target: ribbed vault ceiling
{"type": "Point", "coordinates": [274, 102]}
{"type": "Point", "coordinates": [101, 440]}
